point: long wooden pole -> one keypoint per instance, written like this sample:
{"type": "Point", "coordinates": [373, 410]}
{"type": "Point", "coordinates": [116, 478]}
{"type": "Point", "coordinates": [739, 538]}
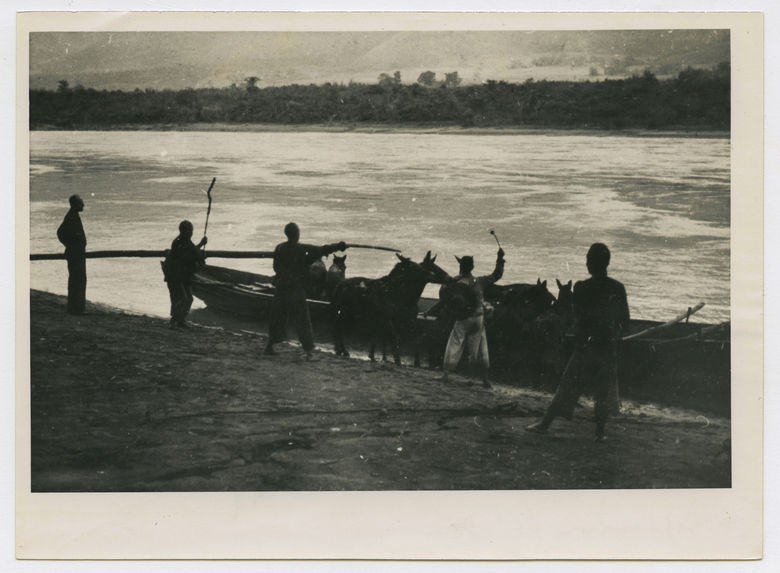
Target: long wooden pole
{"type": "Point", "coordinates": [154, 254]}
{"type": "Point", "coordinates": [680, 318]}
{"type": "Point", "coordinates": [208, 211]}
{"type": "Point", "coordinates": [375, 247]}
{"type": "Point", "coordinates": [140, 253]}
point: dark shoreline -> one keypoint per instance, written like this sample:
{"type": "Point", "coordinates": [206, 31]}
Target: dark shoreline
{"type": "Point", "coordinates": [433, 129]}
{"type": "Point", "coordinates": [121, 403]}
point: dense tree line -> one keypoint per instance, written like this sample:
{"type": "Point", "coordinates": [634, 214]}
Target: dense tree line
{"type": "Point", "coordinates": [696, 98]}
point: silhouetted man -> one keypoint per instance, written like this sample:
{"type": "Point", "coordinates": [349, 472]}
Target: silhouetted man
{"type": "Point", "coordinates": [601, 314]}
{"type": "Point", "coordinates": [71, 234]}
{"type": "Point", "coordinates": [291, 264]}
{"type": "Point", "coordinates": [181, 264]}
{"type": "Point", "coordinates": [469, 330]}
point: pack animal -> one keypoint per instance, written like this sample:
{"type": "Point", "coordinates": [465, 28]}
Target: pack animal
{"type": "Point", "coordinates": [386, 308]}
{"type": "Point", "coordinates": [514, 329]}
{"type": "Point", "coordinates": [336, 274]}
{"type": "Point", "coordinates": [316, 287]}
{"type": "Point", "coordinates": [548, 335]}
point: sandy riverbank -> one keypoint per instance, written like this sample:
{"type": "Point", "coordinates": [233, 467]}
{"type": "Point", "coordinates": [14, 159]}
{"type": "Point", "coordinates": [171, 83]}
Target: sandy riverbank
{"type": "Point", "coordinates": [120, 402]}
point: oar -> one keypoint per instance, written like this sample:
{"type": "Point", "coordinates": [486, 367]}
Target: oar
{"type": "Point", "coordinates": [357, 246]}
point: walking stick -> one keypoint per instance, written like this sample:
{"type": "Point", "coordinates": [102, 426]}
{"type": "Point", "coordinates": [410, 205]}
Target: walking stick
{"type": "Point", "coordinates": [208, 211]}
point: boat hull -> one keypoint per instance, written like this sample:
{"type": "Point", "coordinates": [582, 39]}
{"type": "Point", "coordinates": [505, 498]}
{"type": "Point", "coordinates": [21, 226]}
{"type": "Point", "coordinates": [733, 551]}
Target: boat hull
{"type": "Point", "coordinates": [685, 364]}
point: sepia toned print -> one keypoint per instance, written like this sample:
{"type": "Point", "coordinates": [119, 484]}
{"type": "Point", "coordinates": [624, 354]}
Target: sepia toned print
{"type": "Point", "coordinates": [417, 249]}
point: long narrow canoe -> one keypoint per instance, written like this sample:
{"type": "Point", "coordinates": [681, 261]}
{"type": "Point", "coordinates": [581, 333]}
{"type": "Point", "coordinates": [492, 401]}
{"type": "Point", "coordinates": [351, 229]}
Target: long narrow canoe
{"type": "Point", "coordinates": [685, 364]}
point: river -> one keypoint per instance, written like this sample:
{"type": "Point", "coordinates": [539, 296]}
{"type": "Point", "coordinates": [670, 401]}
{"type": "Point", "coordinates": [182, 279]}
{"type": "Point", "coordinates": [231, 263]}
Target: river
{"type": "Point", "coordinates": [662, 204]}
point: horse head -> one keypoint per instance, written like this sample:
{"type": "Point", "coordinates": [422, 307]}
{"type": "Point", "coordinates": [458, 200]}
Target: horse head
{"type": "Point", "coordinates": [408, 279]}
{"type": "Point", "coordinates": [439, 275]}
{"type": "Point", "coordinates": [565, 301]}
{"type": "Point", "coordinates": [526, 302]}
{"type": "Point", "coordinates": [339, 262]}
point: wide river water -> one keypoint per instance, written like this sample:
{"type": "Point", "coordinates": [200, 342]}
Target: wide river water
{"type": "Point", "coordinates": [662, 204]}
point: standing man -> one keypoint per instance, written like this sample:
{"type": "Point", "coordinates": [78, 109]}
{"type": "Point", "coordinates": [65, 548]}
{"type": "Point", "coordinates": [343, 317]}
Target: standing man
{"type": "Point", "coordinates": [600, 314]}
{"type": "Point", "coordinates": [291, 265]}
{"type": "Point", "coordinates": [465, 295]}
{"type": "Point", "coordinates": [71, 234]}
{"type": "Point", "coordinates": [180, 265]}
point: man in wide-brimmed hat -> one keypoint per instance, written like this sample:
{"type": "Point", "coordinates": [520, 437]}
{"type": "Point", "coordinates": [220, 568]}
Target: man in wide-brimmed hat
{"type": "Point", "coordinates": [465, 297]}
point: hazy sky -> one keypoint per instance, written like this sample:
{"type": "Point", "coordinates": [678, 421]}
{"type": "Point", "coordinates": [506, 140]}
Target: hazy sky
{"type": "Point", "coordinates": [128, 60]}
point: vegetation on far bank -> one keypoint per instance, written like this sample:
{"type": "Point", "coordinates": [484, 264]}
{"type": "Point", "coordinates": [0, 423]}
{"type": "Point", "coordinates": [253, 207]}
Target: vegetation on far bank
{"type": "Point", "coordinates": [695, 99]}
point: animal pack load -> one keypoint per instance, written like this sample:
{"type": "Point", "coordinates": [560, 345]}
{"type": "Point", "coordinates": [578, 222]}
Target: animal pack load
{"type": "Point", "coordinates": [460, 299]}
{"type": "Point", "coordinates": [166, 264]}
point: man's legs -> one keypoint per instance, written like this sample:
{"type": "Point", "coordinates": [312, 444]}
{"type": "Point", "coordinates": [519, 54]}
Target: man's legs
{"type": "Point", "coordinates": [276, 322]}
{"type": "Point", "coordinates": [77, 285]}
{"type": "Point", "coordinates": [476, 343]}
{"type": "Point", "coordinates": [604, 382]}
{"type": "Point", "coordinates": [566, 395]}
{"type": "Point", "coordinates": [302, 319]}
{"type": "Point", "coordinates": [454, 349]}
{"type": "Point", "coordinates": [179, 304]}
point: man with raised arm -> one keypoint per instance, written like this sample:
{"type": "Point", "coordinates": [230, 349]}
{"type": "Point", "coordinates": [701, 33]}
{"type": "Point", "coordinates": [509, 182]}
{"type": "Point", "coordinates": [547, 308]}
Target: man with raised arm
{"type": "Point", "coordinates": [291, 265]}
{"type": "Point", "coordinates": [600, 314]}
{"type": "Point", "coordinates": [465, 298]}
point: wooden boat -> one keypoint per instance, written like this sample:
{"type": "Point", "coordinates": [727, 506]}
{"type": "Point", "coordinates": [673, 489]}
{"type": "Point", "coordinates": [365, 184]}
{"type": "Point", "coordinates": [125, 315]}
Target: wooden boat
{"type": "Point", "coordinates": [246, 294]}
{"type": "Point", "coordinates": [686, 364]}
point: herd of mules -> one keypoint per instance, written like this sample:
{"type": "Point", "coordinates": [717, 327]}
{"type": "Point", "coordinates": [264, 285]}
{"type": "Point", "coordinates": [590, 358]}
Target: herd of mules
{"type": "Point", "coordinates": [525, 322]}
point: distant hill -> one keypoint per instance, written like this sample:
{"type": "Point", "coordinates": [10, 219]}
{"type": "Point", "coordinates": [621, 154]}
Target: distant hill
{"type": "Point", "coordinates": [177, 60]}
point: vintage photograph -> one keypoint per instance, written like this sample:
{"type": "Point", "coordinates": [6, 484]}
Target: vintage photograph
{"type": "Point", "coordinates": [380, 260]}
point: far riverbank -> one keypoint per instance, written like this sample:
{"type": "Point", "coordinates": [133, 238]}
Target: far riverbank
{"type": "Point", "coordinates": [443, 129]}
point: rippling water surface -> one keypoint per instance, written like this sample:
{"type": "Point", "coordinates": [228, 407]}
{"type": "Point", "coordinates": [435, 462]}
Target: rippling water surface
{"type": "Point", "coordinates": [660, 203]}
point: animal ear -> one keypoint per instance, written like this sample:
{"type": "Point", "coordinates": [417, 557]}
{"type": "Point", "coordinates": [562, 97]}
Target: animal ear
{"type": "Point", "coordinates": [538, 282]}
{"type": "Point", "coordinates": [568, 284]}
{"type": "Point", "coordinates": [433, 259]}
{"type": "Point", "coordinates": [544, 283]}
{"type": "Point", "coordinates": [400, 258]}
{"type": "Point", "coordinates": [427, 256]}
{"type": "Point", "coordinates": [457, 258]}
{"type": "Point", "coordinates": [560, 286]}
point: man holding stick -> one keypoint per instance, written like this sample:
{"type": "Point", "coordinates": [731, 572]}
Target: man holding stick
{"type": "Point", "coordinates": [291, 265]}
{"type": "Point", "coordinates": [180, 265]}
{"type": "Point", "coordinates": [468, 333]}
{"type": "Point", "coordinates": [601, 314]}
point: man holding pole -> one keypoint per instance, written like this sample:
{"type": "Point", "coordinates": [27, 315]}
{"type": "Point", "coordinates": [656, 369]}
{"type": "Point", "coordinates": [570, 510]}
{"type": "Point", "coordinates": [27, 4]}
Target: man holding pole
{"type": "Point", "coordinates": [601, 314]}
{"type": "Point", "coordinates": [180, 265]}
{"type": "Point", "coordinates": [71, 234]}
{"type": "Point", "coordinates": [291, 265]}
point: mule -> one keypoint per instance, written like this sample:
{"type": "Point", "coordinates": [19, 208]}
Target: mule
{"type": "Point", "coordinates": [336, 274]}
{"type": "Point", "coordinates": [315, 287]}
{"type": "Point", "coordinates": [513, 330]}
{"type": "Point", "coordinates": [564, 305]}
{"type": "Point", "coordinates": [548, 334]}
{"type": "Point", "coordinates": [385, 307]}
